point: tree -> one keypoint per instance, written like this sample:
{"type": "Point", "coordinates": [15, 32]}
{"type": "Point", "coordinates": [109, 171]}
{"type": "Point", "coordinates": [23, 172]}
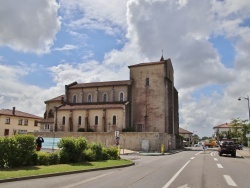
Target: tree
{"type": "Point", "coordinates": [239, 129]}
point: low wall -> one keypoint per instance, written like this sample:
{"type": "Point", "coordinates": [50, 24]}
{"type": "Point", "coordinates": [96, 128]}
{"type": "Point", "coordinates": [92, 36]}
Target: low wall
{"type": "Point", "coordinates": [137, 141]}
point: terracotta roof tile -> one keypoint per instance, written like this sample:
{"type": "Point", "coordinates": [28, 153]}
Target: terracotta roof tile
{"type": "Point", "coordinates": [225, 125]}
{"type": "Point", "coordinates": [102, 84]}
{"type": "Point", "coordinates": [184, 131]}
{"type": "Point", "coordinates": [85, 107]}
{"type": "Point", "coordinates": [8, 112]}
{"type": "Point", "coordinates": [149, 63]}
{"type": "Point", "coordinates": [59, 98]}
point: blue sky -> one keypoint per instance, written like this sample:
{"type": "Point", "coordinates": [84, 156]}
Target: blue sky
{"type": "Point", "coordinates": [46, 44]}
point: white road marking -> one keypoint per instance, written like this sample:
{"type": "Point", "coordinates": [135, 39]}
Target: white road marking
{"type": "Point", "coordinates": [192, 157]}
{"type": "Point", "coordinates": [230, 181]}
{"type": "Point", "coordinates": [219, 165]}
{"type": "Point", "coordinates": [85, 181]}
{"type": "Point", "coordinates": [198, 153]}
{"type": "Point", "coordinates": [215, 159]}
{"type": "Point", "coordinates": [184, 186]}
{"type": "Point", "coordinates": [175, 176]}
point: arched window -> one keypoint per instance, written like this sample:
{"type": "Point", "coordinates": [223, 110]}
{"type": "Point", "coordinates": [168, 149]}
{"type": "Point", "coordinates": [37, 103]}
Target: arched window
{"type": "Point", "coordinates": [114, 120]}
{"type": "Point", "coordinates": [79, 120]}
{"type": "Point", "coordinates": [121, 96]}
{"type": "Point", "coordinates": [63, 120]}
{"type": "Point", "coordinates": [89, 99]}
{"type": "Point", "coordinates": [96, 120]}
{"type": "Point", "coordinates": [105, 97]}
{"type": "Point", "coordinates": [74, 99]}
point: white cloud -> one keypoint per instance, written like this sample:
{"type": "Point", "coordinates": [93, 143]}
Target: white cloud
{"type": "Point", "coordinates": [98, 15]}
{"type": "Point", "coordinates": [29, 26]}
{"type": "Point", "coordinates": [66, 47]}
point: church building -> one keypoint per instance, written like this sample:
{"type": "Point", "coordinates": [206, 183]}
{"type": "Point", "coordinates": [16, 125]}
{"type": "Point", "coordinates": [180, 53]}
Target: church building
{"type": "Point", "coordinates": [147, 102]}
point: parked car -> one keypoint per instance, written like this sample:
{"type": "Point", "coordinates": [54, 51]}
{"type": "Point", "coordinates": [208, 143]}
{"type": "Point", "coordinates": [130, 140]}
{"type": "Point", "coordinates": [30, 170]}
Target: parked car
{"type": "Point", "coordinates": [227, 147]}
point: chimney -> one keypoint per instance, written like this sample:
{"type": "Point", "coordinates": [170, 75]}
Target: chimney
{"type": "Point", "coordinates": [14, 110]}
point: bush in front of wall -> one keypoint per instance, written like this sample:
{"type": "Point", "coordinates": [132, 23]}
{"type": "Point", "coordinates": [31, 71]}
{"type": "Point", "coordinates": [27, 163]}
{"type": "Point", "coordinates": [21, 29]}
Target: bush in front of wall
{"type": "Point", "coordinates": [43, 158]}
{"type": "Point", "coordinates": [17, 151]}
{"type": "Point", "coordinates": [72, 149]}
{"type": "Point", "coordinates": [112, 153]}
{"type": "Point", "coordinates": [81, 130]}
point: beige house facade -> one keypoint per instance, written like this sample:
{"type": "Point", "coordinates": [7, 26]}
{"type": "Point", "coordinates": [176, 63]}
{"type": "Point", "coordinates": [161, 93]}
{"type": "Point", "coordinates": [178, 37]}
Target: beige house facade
{"type": "Point", "coordinates": [147, 102]}
{"type": "Point", "coordinates": [14, 122]}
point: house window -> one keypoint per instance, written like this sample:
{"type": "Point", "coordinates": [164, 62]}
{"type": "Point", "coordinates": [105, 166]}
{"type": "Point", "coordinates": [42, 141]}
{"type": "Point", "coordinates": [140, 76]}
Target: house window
{"type": "Point", "coordinates": [63, 120]}
{"type": "Point", "coordinates": [46, 127]}
{"type": "Point", "coordinates": [74, 99]}
{"type": "Point", "coordinates": [89, 99]}
{"type": "Point", "coordinates": [96, 120]}
{"type": "Point", "coordinates": [79, 120]}
{"type": "Point", "coordinates": [35, 123]}
{"type": "Point", "coordinates": [20, 121]}
{"type": "Point", "coordinates": [147, 82]}
{"type": "Point", "coordinates": [114, 120]}
{"type": "Point", "coordinates": [25, 121]}
{"type": "Point", "coordinates": [7, 121]}
{"type": "Point", "coordinates": [121, 96]}
{"type": "Point", "coordinates": [105, 97]}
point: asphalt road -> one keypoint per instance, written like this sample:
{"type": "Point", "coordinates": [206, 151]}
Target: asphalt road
{"type": "Point", "coordinates": [193, 169]}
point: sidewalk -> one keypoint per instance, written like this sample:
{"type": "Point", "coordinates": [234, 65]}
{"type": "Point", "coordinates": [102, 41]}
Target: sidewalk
{"type": "Point", "coordinates": [131, 152]}
{"type": "Point", "coordinates": [245, 152]}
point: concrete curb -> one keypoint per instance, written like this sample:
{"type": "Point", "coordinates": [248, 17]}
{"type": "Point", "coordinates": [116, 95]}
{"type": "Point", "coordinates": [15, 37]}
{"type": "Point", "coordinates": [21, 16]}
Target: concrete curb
{"type": "Point", "coordinates": [61, 173]}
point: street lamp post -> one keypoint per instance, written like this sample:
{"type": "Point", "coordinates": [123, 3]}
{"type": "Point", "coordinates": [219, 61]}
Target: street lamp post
{"type": "Point", "coordinates": [247, 98]}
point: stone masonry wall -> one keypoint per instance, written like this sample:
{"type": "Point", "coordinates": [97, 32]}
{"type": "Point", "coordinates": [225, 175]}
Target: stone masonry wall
{"type": "Point", "coordinates": [132, 141]}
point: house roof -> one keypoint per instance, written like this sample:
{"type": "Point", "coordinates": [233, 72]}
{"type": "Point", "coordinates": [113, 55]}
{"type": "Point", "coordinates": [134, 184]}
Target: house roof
{"type": "Point", "coordinates": [86, 107]}
{"type": "Point", "coordinates": [9, 112]}
{"type": "Point", "coordinates": [101, 84]}
{"type": "Point", "coordinates": [225, 125]}
{"type": "Point", "coordinates": [59, 98]}
{"type": "Point", "coordinates": [184, 131]}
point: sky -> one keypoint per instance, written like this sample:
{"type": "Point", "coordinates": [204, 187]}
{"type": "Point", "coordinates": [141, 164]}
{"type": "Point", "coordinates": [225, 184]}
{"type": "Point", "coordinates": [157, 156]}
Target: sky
{"type": "Point", "coordinates": [47, 44]}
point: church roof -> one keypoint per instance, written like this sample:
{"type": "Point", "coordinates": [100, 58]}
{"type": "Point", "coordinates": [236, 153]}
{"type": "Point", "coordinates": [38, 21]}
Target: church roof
{"type": "Point", "coordinates": [102, 84]}
{"type": "Point", "coordinates": [59, 98]}
{"type": "Point", "coordinates": [86, 107]}
{"type": "Point", "coordinates": [151, 63]}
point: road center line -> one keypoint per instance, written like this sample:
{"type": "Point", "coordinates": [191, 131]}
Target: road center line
{"type": "Point", "coordinates": [219, 165]}
{"type": "Point", "coordinates": [192, 157]}
{"type": "Point", "coordinates": [175, 176]}
{"type": "Point", "coordinates": [230, 181]}
{"type": "Point", "coordinates": [85, 181]}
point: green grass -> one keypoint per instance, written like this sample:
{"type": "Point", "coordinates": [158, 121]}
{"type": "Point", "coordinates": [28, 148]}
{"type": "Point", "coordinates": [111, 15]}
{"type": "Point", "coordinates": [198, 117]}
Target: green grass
{"type": "Point", "coordinates": [38, 170]}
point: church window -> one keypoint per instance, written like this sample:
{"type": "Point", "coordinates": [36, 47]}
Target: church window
{"type": "Point", "coordinates": [96, 120]}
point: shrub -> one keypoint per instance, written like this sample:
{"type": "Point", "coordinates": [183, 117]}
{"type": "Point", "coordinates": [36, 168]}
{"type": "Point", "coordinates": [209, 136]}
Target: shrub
{"type": "Point", "coordinates": [72, 149]}
{"type": "Point", "coordinates": [89, 155]}
{"type": "Point", "coordinates": [53, 158]}
{"type": "Point", "coordinates": [17, 151]}
{"type": "Point", "coordinates": [97, 151]}
{"type": "Point", "coordinates": [81, 130]}
{"type": "Point", "coordinates": [43, 158]}
{"type": "Point", "coordinates": [112, 153]}
{"type": "Point", "coordinates": [129, 129]}
{"type": "Point", "coordinates": [2, 149]}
